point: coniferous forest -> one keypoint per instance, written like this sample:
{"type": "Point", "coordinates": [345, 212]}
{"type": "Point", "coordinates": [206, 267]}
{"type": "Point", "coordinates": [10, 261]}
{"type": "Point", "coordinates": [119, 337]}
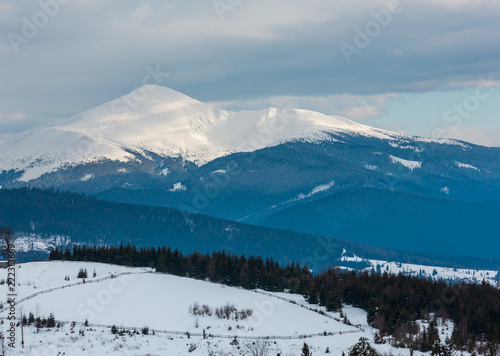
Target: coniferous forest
{"type": "Point", "coordinates": [394, 302]}
{"type": "Point", "coordinates": [61, 213]}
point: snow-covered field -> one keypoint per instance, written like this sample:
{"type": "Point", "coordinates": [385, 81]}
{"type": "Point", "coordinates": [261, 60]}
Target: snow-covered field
{"type": "Point", "coordinates": [161, 302]}
{"type": "Point", "coordinates": [436, 273]}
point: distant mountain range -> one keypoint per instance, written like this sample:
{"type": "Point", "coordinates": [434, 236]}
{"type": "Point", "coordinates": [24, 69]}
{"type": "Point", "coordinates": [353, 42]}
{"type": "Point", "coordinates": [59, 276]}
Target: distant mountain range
{"type": "Point", "coordinates": [285, 168]}
{"type": "Point", "coordinates": [45, 218]}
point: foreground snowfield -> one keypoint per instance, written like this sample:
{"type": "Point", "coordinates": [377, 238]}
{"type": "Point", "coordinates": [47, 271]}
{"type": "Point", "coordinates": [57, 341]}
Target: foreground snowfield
{"type": "Point", "coordinates": [136, 298]}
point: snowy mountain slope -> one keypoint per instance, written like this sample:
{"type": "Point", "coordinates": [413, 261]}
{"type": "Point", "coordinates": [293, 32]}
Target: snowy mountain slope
{"type": "Point", "coordinates": [155, 119]}
{"type": "Point", "coordinates": [162, 302]}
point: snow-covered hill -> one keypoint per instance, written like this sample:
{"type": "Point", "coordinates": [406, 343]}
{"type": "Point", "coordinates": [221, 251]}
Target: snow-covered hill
{"type": "Point", "coordinates": [448, 274]}
{"type": "Point", "coordinates": [135, 298]}
{"type": "Point", "coordinates": [161, 121]}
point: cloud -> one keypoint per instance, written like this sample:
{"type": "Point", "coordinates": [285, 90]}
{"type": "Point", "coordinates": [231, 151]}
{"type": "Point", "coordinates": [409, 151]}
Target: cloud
{"type": "Point", "coordinates": [395, 53]}
{"type": "Point", "coordinates": [362, 113]}
{"type": "Point", "coordinates": [480, 136]}
{"type": "Point", "coordinates": [6, 118]}
{"type": "Point", "coordinates": [262, 51]}
{"type": "Point", "coordinates": [353, 107]}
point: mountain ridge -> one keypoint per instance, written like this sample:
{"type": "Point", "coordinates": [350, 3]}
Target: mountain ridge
{"type": "Point", "coordinates": [159, 120]}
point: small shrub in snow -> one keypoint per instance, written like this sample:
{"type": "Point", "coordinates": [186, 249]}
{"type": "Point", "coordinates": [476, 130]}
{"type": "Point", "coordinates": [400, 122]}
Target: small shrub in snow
{"type": "Point", "coordinates": [228, 311]}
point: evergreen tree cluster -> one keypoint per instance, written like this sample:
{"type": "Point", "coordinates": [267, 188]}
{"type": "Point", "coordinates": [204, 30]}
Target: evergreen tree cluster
{"type": "Point", "coordinates": [393, 302]}
{"type": "Point", "coordinates": [39, 322]}
{"type": "Point", "coordinates": [82, 273]}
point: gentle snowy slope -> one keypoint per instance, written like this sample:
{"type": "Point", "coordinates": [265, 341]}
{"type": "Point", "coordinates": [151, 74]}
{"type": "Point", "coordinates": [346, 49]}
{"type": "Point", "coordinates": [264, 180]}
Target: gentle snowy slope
{"type": "Point", "coordinates": [164, 307]}
{"type": "Point", "coordinates": [162, 121]}
{"type": "Point", "coordinates": [162, 302]}
{"type": "Point", "coordinates": [34, 277]}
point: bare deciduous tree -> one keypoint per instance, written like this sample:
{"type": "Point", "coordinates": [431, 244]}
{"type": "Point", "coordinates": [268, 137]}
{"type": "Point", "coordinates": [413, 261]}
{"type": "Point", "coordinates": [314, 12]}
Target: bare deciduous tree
{"type": "Point", "coordinates": [258, 348]}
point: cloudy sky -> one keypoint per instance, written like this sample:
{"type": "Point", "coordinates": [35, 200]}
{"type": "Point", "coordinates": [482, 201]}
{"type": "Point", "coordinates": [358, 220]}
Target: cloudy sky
{"type": "Point", "coordinates": [427, 67]}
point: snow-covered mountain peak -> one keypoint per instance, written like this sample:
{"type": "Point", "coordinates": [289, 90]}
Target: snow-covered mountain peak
{"type": "Point", "coordinates": [157, 119]}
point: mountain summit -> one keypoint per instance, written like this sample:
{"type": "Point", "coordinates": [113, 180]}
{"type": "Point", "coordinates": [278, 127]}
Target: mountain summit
{"type": "Point", "coordinates": [161, 121]}
{"type": "Point", "coordinates": [283, 168]}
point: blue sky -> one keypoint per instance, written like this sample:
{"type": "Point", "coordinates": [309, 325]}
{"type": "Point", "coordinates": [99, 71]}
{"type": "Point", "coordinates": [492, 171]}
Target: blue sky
{"type": "Point", "coordinates": [425, 67]}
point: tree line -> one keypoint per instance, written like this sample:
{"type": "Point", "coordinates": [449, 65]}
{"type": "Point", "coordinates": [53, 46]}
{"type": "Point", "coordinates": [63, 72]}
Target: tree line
{"type": "Point", "coordinates": [393, 302]}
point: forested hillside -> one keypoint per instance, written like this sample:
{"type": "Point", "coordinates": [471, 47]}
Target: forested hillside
{"type": "Point", "coordinates": [394, 303]}
{"type": "Point", "coordinates": [89, 220]}
{"type": "Point", "coordinates": [399, 220]}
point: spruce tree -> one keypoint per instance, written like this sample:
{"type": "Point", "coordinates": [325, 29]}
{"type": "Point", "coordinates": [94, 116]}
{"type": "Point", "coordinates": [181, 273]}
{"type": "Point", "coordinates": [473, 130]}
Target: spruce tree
{"type": "Point", "coordinates": [305, 350]}
{"type": "Point", "coordinates": [51, 322]}
{"type": "Point", "coordinates": [31, 318]}
{"type": "Point", "coordinates": [362, 348]}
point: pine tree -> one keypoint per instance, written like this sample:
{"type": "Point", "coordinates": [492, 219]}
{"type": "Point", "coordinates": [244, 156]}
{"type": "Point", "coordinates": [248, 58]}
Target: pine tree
{"type": "Point", "coordinates": [82, 273]}
{"type": "Point", "coordinates": [313, 297]}
{"type": "Point", "coordinates": [305, 350]}
{"type": "Point", "coordinates": [51, 322]}
{"type": "Point", "coordinates": [31, 318]}
{"type": "Point", "coordinates": [362, 348]}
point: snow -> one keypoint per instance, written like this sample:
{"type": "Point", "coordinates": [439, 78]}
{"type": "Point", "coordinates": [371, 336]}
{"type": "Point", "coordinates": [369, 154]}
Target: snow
{"type": "Point", "coordinates": [371, 167]}
{"type": "Point", "coordinates": [34, 277]}
{"type": "Point", "coordinates": [408, 164]}
{"type": "Point", "coordinates": [165, 171]}
{"type": "Point", "coordinates": [34, 242]}
{"type": "Point", "coordinates": [177, 187]}
{"type": "Point", "coordinates": [442, 141]}
{"type": "Point", "coordinates": [403, 146]}
{"type": "Point", "coordinates": [219, 171]}
{"type": "Point", "coordinates": [438, 273]}
{"type": "Point", "coordinates": [162, 121]}
{"type": "Point", "coordinates": [350, 258]}
{"type": "Point", "coordinates": [465, 165]}
{"type": "Point", "coordinates": [87, 177]}
{"type": "Point", "coordinates": [315, 190]}
{"type": "Point", "coordinates": [433, 272]}
{"type": "Point", "coordinates": [445, 190]}
{"type": "Point", "coordinates": [171, 300]}
{"type": "Point", "coordinates": [141, 298]}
